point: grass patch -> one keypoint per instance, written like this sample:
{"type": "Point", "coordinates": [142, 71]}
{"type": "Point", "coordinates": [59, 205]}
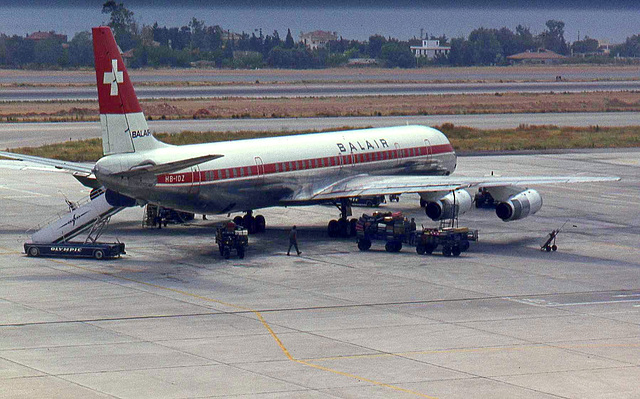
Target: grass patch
{"type": "Point", "coordinates": [462, 138]}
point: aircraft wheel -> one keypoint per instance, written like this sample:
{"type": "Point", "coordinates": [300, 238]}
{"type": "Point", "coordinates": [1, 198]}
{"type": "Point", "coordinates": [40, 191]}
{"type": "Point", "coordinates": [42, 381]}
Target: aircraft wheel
{"type": "Point", "coordinates": [547, 248]}
{"type": "Point", "coordinates": [332, 228]}
{"type": "Point", "coordinates": [455, 251]}
{"type": "Point", "coordinates": [364, 244]}
{"type": "Point", "coordinates": [421, 249]}
{"type": "Point", "coordinates": [98, 254]}
{"type": "Point", "coordinates": [446, 251]}
{"type": "Point", "coordinates": [248, 222]}
{"type": "Point", "coordinates": [554, 247]}
{"type": "Point", "coordinates": [34, 251]}
{"type": "Point", "coordinates": [343, 228]}
{"type": "Point", "coordinates": [352, 227]}
{"type": "Point", "coordinates": [260, 224]}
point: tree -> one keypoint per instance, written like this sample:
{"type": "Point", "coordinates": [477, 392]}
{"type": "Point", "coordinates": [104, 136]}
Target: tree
{"type": "Point", "coordinates": [19, 51]}
{"type": "Point", "coordinates": [81, 50]}
{"type": "Point", "coordinates": [525, 39]}
{"type": "Point", "coordinates": [553, 38]}
{"type": "Point", "coordinates": [375, 45]}
{"type": "Point", "coordinates": [587, 45]}
{"type": "Point", "coordinates": [485, 46]}
{"type": "Point", "coordinates": [288, 41]}
{"type": "Point", "coordinates": [197, 30]}
{"type": "Point", "coordinates": [124, 26]}
{"type": "Point", "coordinates": [630, 48]}
{"type": "Point", "coordinates": [396, 54]}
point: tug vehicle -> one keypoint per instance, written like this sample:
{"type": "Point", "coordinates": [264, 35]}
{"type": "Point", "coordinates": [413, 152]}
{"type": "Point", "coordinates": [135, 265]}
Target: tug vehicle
{"type": "Point", "coordinates": [231, 236]}
{"type": "Point", "coordinates": [390, 227]}
{"type": "Point", "coordinates": [452, 240]}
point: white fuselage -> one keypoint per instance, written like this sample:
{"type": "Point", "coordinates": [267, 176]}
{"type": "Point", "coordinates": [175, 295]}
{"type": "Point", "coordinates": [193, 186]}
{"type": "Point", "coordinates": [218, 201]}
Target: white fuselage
{"type": "Point", "coordinates": [260, 173]}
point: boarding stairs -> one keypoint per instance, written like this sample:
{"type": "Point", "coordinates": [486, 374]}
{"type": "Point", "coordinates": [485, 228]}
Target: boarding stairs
{"type": "Point", "coordinates": [91, 213]}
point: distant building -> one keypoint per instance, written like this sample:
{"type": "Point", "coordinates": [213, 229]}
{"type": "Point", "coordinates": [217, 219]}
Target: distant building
{"type": "Point", "coordinates": [540, 56]}
{"type": "Point", "coordinates": [318, 39]}
{"type": "Point", "coordinates": [430, 49]}
{"type": "Point", "coordinates": [37, 36]}
{"type": "Point", "coordinates": [228, 36]}
{"type": "Point", "coordinates": [604, 47]}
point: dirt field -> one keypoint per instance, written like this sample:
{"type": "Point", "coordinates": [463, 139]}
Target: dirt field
{"type": "Point", "coordinates": [342, 106]}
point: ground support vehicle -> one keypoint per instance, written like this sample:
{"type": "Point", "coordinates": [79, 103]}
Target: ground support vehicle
{"type": "Point", "coordinates": [157, 216]}
{"type": "Point", "coordinates": [452, 240]}
{"type": "Point", "coordinates": [97, 250]}
{"type": "Point", "coordinates": [370, 201]}
{"type": "Point", "coordinates": [550, 244]}
{"type": "Point", "coordinates": [484, 199]}
{"type": "Point", "coordinates": [231, 237]}
{"type": "Point", "coordinates": [390, 227]}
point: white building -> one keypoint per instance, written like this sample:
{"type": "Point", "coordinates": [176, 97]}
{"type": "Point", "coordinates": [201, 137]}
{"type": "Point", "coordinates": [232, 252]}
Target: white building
{"type": "Point", "coordinates": [318, 39]}
{"type": "Point", "coordinates": [430, 49]}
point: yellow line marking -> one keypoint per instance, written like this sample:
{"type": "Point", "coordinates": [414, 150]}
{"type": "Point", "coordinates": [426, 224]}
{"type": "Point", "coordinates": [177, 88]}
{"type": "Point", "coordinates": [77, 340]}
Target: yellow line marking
{"type": "Point", "coordinates": [9, 251]}
{"type": "Point", "coordinates": [478, 350]}
{"type": "Point", "coordinates": [273, 334]}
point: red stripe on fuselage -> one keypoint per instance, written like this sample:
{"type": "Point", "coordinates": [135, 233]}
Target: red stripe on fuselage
{"type": "Point", "coordinates": [306, 164]}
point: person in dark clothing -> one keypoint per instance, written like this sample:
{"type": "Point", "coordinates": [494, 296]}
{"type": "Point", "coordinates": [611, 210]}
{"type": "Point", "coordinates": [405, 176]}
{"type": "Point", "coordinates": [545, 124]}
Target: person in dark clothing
{"type": "Point", "coordinates": [293, 240]}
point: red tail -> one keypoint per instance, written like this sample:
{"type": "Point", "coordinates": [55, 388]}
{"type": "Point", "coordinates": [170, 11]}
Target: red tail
{"type": "Point", "coordinates": [115, 91]}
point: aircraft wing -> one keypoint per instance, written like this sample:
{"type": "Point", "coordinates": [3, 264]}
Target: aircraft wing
{"type": "Point", "coordinates": [366, 185]}
{"type": "Point", "coordinates": [47, 164]}
{"type": "Point", "coordinates": [149, 167]}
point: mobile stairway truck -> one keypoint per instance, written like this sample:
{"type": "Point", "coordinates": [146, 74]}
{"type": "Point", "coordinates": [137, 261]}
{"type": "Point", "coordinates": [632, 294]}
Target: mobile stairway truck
{"type": "Point", "coordinates": [93, 214]}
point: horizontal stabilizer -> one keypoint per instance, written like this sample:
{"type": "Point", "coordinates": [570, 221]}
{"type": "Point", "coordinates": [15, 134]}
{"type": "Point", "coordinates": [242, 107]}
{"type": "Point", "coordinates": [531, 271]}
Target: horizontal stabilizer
{"type": "Point", "coordinates": [149, 167]}
{"type": "Point", "coordinates": [62, 165]}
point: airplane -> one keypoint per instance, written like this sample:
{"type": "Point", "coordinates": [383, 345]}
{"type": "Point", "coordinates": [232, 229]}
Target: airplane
{"type": "Point", "coordinates": [245, 175]}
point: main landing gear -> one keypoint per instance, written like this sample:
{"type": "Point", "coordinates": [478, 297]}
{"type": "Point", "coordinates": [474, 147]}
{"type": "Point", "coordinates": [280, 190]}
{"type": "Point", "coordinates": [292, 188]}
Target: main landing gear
{"type": "Point", "coordinates": [253, 224]}
{"type": "Point", "coordinates": [343, 227]}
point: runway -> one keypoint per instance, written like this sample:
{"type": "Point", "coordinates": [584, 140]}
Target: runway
{"type": "Point", "coordinates": [13, 135]}
{"type": "Point", "coordinates": [172, 319]}
{"type": "Point", "coordinates": [319, 90]}
{"type": "Point", "coordinates": [380, 75]}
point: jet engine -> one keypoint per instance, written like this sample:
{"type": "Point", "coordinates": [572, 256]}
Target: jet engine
{"type": "Point", "coordinates": [443, 207]}
{"type": "Point", "coordinates": [519, 206]}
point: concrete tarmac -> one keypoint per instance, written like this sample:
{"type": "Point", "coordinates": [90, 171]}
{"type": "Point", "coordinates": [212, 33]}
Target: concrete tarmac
{"type": "Point", "coordinates": [171, 319]}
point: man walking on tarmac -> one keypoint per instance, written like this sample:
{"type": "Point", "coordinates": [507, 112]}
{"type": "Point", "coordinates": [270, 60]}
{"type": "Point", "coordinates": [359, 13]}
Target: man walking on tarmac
{"type": "Point", "coordinates": [293, 240]}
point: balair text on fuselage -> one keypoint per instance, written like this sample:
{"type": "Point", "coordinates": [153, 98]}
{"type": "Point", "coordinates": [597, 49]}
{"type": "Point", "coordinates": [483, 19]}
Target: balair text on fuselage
{"type": "Point", "coordinates": [359, 146]}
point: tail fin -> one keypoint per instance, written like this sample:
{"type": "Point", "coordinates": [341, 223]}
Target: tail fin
{"type": "Point", "coordinates": [124, 127]}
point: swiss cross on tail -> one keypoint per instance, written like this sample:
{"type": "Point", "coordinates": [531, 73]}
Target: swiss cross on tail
{"type": "Point", "coordinates": [115, 91]}
{"type": "Point", "coordinates": [113, 78]}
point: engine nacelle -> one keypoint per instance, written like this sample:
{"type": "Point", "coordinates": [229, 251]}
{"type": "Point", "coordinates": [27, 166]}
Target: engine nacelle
{"type": "Point", "coordinates": [117, 199]}
{"type": "Point", "coordinates": [519, 206]}
{"type": "Point", "coordinates": [443, 207]}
